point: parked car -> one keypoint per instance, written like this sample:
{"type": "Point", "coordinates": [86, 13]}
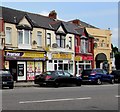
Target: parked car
{"type": "Point", "coordinates": [97, 76]}
{"type": "Point", "coordinates": [6, 79]}
{"type": "Point", "coordinates": [56, 78]}
{"type": "Point", "coordinates": [116, 74]}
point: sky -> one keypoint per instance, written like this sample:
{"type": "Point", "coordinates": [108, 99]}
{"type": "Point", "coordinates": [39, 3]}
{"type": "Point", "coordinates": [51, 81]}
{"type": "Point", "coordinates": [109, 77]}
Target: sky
{"type": "Point", "coordinates": [103, 15]}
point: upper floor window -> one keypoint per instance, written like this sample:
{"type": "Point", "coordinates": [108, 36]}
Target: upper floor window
{"type": "Point", "coordinates": [76, 42]}
{"type": "Point", "coordinates": [49, 39]}
{"type": "Point", "coordinates": [90, 46]}
{"type": "Point", "coordinates": [39, 38]}
{"type": "Point", "coordinates": [60, 39]}
{"type": "Point", "coordinates": [70, 42]}
{"type": "Point", "coordinates": [84, 46]}
{"type": "Point", "coordinates": [8, 35]}
{"type": "Point", "coordinates": [24, 37]}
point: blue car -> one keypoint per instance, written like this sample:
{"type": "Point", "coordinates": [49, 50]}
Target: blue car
{"type": "Point", "coordinates": [97, 76]}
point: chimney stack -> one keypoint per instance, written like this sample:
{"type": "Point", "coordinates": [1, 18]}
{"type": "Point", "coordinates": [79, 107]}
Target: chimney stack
{"type": "Point", "coordinates": [53, 14]}
{"type": "Point", "coordinates": [76, 22]}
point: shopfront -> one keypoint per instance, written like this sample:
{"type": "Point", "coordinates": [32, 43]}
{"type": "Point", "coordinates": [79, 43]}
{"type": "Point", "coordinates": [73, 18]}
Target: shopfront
{"type": "Point", "coordinates": [24, 65]}
{"type": "Point", "coordinates": [83, 62]}
{"type": "Point", "coordinates": [61, 61]}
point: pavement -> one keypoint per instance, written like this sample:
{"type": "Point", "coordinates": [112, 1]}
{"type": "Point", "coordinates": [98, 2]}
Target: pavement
{"type": "Point", "coordinates": [25, 84]}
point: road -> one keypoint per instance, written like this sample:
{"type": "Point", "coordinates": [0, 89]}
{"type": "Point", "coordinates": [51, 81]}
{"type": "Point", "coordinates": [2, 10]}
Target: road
{"type": "Point", "coordinates": [86, 97]}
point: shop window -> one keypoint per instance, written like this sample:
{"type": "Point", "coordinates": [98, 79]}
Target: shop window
{"type": "Point", "coordinates": [50, 61]}
{"type": "Point", "coordinates": [55, 61]}
{"type": "Point", "coordinates": [71, 68]}
{"type": "Point", "coordinates": [8, 35]}
{"type": "Point", "coordinates": [60, 61]}
{"type": "Point", "coordinates": [55, 66]}
{"type": "Point", "coordinates": [65, 67]}
{"type": "Point", "coordinates": [60, 66]}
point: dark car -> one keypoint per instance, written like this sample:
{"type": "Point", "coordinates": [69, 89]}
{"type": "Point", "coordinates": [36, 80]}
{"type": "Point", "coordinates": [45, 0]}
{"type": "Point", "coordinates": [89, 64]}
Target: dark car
{"type": "Point", "coordinates": [97, 76]}
{"type": "Point", "coordinates": [116, 74]}
{"type": "Point", "coordinates": [6, 79]}
{"type": "Point", "coordinates": [56, 78]}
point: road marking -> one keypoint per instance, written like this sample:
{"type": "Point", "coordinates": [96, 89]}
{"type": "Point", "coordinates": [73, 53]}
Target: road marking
{"type": "Point", "coordinates": [118, 96]}
{"type": "Point", "coordinates": [55, 100]}
{"type": "Point", "coordinates": [100, 85]}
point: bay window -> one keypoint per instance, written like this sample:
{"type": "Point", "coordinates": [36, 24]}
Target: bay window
{"type": "Point", "coordinates": [84, 46]}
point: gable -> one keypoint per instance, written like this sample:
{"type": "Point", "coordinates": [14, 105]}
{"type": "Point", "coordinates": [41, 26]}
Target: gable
{"type": "Point", "coordinates": [60, 30]}
{"type": "Point", "coordinates": [24, 21]}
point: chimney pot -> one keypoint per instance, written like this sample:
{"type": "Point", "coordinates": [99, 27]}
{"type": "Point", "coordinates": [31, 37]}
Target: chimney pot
{"type": "Point", "coordinates": [53, 14]}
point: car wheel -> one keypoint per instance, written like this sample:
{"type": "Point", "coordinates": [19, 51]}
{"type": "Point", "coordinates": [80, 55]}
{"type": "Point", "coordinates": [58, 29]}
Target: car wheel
{"type": "Point", "coordinates": [99, 82]}
{"type": "Point", "coordinates": [11, 87]}
{"type": "Point", "coordinates": [112, 81]}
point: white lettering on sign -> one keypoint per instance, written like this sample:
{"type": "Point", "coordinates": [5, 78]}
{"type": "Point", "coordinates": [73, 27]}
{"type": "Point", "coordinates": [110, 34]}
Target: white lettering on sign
{"type": "Point", "coordinates": [12, 54]}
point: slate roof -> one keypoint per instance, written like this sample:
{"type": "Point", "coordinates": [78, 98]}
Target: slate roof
{"type": "Point", "coordinates": [36, 20]}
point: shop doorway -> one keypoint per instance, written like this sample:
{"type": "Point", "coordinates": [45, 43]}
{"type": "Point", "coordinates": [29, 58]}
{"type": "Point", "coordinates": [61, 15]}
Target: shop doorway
{"type": "Point", "coordinates": [13, 69]}
{"type": "Point", "coordinates": [101, 60]}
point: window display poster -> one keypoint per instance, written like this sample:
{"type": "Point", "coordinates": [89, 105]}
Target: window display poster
{"type": "Point", "coordinates": [30, 70]}
{"type": "Point", "coordinates": [6, 64]}
{"type": "Point", "coordinates": [38, 68]}
{"type": "Point", "coordinates": [20, 69]}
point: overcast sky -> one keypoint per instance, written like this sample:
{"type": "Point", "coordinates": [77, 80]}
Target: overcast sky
{"type": "Point", "coordinates": [103, 15]}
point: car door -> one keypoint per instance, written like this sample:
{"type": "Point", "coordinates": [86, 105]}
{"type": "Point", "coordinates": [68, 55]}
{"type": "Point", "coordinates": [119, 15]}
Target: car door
{"type": "Point", "coordinates": [105, 76]}
{"type": "Point", "coordinates": [69, 78]}
{"type": "Point", "coordinates": [60, 77]}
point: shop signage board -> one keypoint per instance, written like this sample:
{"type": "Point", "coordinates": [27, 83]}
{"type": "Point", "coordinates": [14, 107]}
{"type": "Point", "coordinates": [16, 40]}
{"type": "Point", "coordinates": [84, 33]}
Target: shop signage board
{"type": "Point", "coordinates": [61, 56]}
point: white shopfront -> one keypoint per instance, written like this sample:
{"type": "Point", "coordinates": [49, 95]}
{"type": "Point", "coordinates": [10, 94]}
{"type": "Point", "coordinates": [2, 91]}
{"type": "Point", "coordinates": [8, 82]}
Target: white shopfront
{"type": "Point", "coordinates": [61, 61]}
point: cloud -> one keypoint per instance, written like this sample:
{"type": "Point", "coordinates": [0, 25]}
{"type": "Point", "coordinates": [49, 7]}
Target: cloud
{"type": "Point", "coordinates": [44, 13]}
{"type": "Point", "coordinates": [114, 39]}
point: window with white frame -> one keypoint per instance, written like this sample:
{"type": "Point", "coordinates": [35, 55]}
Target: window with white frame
{"type": "Point", "coordinates": [70, 42]}
{"type": "Point", "coordinates": [60, 39]}
{"type": "Point", "coordinates": [84, 46]}
{"type": "Point", "coordinates": [8, 35]}
{"type": "Point", "coordinates": [39, 38]}
{"type": "Point", "coordinates": [24, 37]}
{"type": "Point", "coordinates": [48, 39]}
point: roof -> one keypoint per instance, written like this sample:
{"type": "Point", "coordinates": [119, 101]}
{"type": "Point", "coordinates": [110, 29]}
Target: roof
{"type": "Point", "coordinates": [36, 20]}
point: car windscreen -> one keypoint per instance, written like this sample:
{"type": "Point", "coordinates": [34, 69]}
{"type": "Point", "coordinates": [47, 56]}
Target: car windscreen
{"type": "Point", "coordinates": [86, 72]}
{"type": "Point", "coordinates": [48, 73]}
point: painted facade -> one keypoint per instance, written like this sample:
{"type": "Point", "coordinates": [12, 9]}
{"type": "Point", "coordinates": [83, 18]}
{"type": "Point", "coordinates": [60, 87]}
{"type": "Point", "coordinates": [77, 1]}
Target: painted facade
{"type": "Point", "coordinates": [102, 48]}
{"type": "Point", "coordinates": [84, 54]}
{"type": "Point", "coordinates": [24, 58]}
{"type": "Point", "coordinates": [60, 57]}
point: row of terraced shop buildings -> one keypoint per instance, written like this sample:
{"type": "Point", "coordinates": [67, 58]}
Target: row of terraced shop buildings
{"type": "Point", "coordinates": [31, 44]}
